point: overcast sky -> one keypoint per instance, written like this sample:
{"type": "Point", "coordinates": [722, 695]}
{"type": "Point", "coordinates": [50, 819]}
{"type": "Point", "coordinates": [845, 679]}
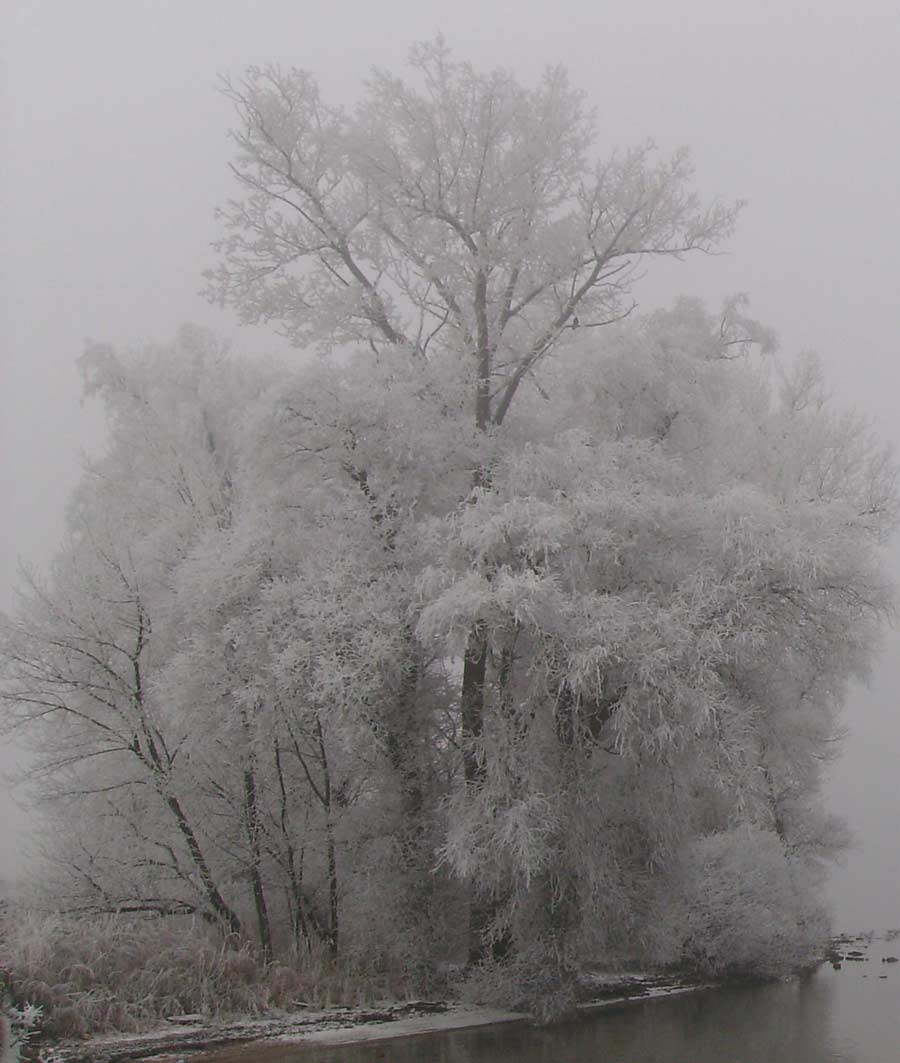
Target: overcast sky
{"type": "Point", "coordinates": [113, 154]}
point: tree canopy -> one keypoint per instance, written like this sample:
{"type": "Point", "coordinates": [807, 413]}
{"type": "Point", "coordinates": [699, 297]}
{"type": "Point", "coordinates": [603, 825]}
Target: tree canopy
{"type": "Point", "coordinates": [363, 655]}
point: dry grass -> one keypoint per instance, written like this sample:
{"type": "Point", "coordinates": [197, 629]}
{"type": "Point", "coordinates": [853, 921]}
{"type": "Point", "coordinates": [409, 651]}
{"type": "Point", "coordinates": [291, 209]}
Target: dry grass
{"type": "Point", "coordinates": [111, 973]}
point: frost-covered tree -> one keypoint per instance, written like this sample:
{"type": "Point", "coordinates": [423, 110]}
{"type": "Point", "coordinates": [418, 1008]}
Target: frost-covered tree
{"type": "Point", "coordinates": [463, 211]}
{"type": "Point", "coordinates": [748, 906]}
{"type": "Point", "coordinates": [84, 651]}
{"type": "Point", "coordinates": [461, 215]}
{"type": "Point", "coordinates": [676, 570]}
{"type": "Point", "coordinates": [448, 645]}
{"type": "Point", "coordinates": [671, 632]}
{"type": "Point", "coordinates": [228, 534]}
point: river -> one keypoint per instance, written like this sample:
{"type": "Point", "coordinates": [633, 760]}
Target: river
{"type": "Point", "coordinates": [850, 1015]}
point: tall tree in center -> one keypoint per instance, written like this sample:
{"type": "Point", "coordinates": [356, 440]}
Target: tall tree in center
{"type": "Point", "coordinates": [463, 215]}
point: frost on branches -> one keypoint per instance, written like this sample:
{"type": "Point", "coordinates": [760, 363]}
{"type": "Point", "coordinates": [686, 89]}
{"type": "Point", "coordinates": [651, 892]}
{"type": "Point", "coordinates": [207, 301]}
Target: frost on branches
{"type": "Point", "coordinates": [500, 635]}
{"type": "Point", "coordinates": [243, 675]}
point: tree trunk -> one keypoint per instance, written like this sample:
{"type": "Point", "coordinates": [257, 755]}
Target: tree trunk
{"type": "Point", "coordinates": [554, 908]}
{"type": "Point", "coordinates": [252, 829]}
{"type": "Point", "coordinates": [213, 895]}
{"type": "Point", "coordinates": [472, 705]}
{"type": "Point", "coordinates": [413, 840]}
{"type": "Point", "coordinates": [481, 910]}
{"type": "Point", "coordinates": [333, 923]}
{"type": "Point", "coordinates": [251, 815]}
{"type": "Point", "coordinates": [331, 855]}
{"type": "Point", "coordinates": [293, 868]}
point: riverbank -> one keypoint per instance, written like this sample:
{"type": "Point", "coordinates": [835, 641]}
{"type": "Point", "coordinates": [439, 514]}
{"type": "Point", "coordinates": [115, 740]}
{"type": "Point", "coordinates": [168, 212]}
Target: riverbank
{"type": "Point", "coordinates": [192, 1037]}
{"type": "Point", "coordinates": [201, 1039]}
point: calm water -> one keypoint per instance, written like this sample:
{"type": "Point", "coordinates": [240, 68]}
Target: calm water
{"type": "Point", "coordinates": [846, 1016]}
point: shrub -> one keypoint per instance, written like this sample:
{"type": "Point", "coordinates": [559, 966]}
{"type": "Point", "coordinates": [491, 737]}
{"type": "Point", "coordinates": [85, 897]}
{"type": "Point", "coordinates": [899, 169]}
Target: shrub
{"type": "Point", "coordinates": [534, 980]}
{"type": "Point", "coordinates": [748, 907]}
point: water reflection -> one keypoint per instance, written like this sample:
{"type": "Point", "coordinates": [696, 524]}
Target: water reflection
{"type": "Point", "coordinates": [847, 1016]}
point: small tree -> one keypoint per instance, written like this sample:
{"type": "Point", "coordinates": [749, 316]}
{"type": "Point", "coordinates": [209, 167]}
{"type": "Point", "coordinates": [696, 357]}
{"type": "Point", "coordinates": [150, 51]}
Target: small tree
{"type": "Point", "coordinates": [83, 651]}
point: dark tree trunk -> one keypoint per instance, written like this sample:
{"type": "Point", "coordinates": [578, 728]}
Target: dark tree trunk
{"type": "Point", "coordinates": [213, 895]}
{"type": "Point", "coordinates": [251, 815]}
{"type": "Point", "coordinates": [252, 827]}
{"type": "Point", "coordinates": [472, 705]}
{"type": "Point", "coordinates": [292, 866]}
{"type": "Point", "coordinates": [331, 854]}
{"type": "Point", "coordinates": [414, 838]}
{"type": "Point", "coordinates": [482, 910]}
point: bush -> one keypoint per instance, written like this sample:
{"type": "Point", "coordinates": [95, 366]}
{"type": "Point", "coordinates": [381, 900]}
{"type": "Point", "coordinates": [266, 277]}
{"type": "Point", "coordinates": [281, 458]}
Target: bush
{"type": "Point", "coordinates": [534, 980]}
{"type": "Point", "coordinates": [748, 908]}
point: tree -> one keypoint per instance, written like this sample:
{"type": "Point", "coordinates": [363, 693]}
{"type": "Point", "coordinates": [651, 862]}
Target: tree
{"type": "Point", "coordinates": [463, 214]}
{"type": "Point", "coordinates": [266, 613]}
{"type": "Point", "coordinates": [447, 628]}
{"type": "Point", "coordinates": [671, 633]}
{"type": "Point", "coordinates": [271, 581]}
{"type": "Point", "coordinates": [78, 658]}
{"type": "Point", "coordinates": [463, 217]}
{"type": "Point", "coordinates": [83, 653]}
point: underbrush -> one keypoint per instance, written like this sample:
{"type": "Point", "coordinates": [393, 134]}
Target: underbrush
{"type": "Point", "coordinates": [529, 982]}
{"type": "Point", "coordinates": [750, 908]}
{"type": "Point", "coordinates": [92, 975]}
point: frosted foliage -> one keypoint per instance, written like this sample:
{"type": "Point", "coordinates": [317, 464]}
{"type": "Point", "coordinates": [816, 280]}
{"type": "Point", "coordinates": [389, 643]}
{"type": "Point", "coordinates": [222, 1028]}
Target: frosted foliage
{"type": "Point", "coordinates": [248, 674]}
{"type": "Point", "coordinates": [650, 591]}
{"type": "Point", "coordinates": [457, 212]}
{"type": "Point", "coordinates": [664, 584]}
{"type": "Point", "coordinates": [749, 907]}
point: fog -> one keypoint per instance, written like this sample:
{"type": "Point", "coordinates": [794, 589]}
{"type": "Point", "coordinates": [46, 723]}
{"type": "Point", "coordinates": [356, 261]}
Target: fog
{"type": "Point", "coordinates": [115, 153]}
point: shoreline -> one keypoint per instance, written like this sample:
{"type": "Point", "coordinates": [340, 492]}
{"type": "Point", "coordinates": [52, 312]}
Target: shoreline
{"type": "Point", "coordinates": [186, 1037]}
{"type": "Point", "coordinates": [195, 1037]}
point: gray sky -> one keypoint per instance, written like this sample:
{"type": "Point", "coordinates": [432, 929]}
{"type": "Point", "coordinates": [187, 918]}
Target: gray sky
{"type": "Point", "coordinates": [114, 154]}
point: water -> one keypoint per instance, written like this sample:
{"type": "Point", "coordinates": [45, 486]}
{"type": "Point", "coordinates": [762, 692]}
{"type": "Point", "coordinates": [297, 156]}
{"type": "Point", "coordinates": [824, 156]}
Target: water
{"type": "Point", "coordinates": [846, 1016]}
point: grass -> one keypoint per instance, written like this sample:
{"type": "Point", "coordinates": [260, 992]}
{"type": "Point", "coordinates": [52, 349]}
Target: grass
{"type": "Point", "coordinates": [94, 975]}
